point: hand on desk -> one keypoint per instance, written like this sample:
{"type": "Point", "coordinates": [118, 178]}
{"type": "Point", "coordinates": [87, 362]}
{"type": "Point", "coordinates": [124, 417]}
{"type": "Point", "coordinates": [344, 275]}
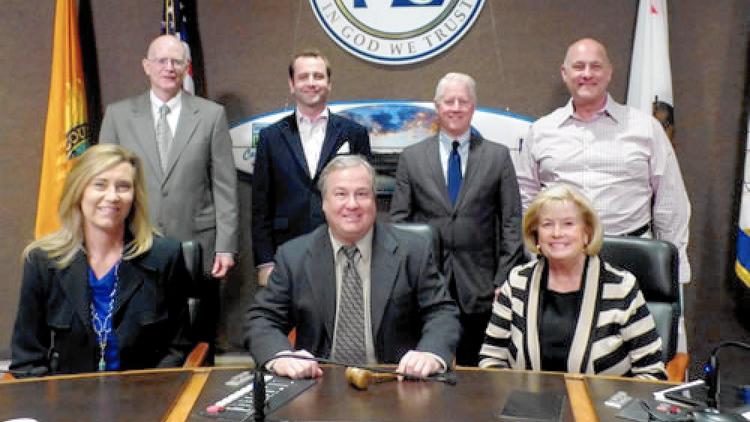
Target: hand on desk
{"type": "Point", "coordinates": [297, 368]}
{"type": "Point", "coordinates": [419, 364]}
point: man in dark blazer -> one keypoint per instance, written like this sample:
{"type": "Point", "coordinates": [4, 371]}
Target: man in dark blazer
{"type": "Point", "coordinates": [192, 184]}
{"type": "Point", "coordinates": [409, 317]}
{"type": "Point", "coordinates": [290, 155]}
{"type": "Point", "coordinates": [478, 216]}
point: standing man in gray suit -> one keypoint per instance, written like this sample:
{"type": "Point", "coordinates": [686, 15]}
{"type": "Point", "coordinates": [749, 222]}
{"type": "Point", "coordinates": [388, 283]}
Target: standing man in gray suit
{"type": "Point", "coordinates": [466, 188]}
{"type": "Point", "coordinates": [190, 176]}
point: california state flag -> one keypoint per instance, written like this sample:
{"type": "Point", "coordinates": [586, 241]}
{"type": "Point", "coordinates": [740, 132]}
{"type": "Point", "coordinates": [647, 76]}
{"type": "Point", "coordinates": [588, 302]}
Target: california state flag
{"type": "Point", "coordinates": [650, 68]}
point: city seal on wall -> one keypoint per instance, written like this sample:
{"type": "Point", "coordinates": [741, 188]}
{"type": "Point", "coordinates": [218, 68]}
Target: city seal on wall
{"type": "Point", "coordinates": [396, 32]}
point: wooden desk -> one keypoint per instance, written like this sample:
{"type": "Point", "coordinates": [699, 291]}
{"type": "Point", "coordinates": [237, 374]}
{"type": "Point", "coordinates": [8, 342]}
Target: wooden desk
{"type": "Point", "coordinates": [179, 394]}
{"type": "Point", "coordinates": [128, 397]}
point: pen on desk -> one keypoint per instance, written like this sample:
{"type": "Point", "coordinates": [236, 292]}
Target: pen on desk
{"type": "Point", "coordinates": [220, 405]}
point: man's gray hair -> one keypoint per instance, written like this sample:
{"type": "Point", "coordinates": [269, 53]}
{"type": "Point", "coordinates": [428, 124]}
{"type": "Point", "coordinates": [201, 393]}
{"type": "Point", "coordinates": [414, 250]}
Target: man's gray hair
{"type": "Point", "coordinates": [463, 78]}
{"type": "Point", "coordinates": [341, 162]}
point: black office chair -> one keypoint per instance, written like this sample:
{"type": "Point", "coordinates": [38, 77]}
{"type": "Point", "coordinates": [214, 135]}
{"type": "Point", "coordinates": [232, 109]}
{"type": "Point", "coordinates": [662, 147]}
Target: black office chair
{"type": "Point", "coordinates": [430, 233]}
{"type": "Point", "coordinates": [193, 255]}
{"type": "Point", "coordinates": [654, 263]}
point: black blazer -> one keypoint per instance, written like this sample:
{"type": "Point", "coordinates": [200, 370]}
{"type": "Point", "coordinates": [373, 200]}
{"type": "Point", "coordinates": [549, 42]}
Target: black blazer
{"type": "Point", "coordinates": [410, 306]}
{"type": "Point", "coordinates": [53, 331]}
{"type": "Point", "coordinates": [286, 199]}
{"type": "Point", "coordinates": [481, 233]}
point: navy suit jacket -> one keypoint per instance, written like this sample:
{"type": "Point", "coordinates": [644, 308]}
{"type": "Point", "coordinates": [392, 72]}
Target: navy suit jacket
{"type": "Point", "coordinates": [409, 303]}
{"type": "Point", "coordinates": [286, 199]}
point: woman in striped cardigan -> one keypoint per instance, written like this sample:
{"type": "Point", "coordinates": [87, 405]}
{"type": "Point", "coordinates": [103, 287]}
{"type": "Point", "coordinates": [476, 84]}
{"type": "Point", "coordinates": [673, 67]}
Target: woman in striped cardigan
{"type": "Point", "coordinates": [569, 310]}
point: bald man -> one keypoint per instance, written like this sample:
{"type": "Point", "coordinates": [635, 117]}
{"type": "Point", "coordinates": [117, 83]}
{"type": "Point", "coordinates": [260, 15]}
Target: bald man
{"type": "Point", "coordinates": [190, 176]}
{"type": "Point", "coordinates": [618, 156]}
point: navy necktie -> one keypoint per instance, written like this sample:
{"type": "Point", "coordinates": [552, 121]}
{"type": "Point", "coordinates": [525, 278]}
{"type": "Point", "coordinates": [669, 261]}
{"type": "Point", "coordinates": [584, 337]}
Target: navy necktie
{"type": "Point", "coordinates": [454, 173]}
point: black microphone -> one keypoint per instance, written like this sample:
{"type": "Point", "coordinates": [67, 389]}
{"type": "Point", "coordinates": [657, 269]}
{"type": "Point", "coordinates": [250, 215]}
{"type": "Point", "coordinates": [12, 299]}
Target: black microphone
{"type": "Point", "coordinates": [711, 368]}
{"type": "Point", "coordinates": [259, 395]}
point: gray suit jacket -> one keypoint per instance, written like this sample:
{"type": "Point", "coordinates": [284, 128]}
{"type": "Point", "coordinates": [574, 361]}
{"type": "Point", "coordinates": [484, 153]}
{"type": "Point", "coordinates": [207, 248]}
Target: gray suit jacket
{"type": "Point", "coordinates": [196, 198]}
{"type": "Point", "coordinates": [410, 306]}
{"type": "Point", "coordinates": [482, 233]}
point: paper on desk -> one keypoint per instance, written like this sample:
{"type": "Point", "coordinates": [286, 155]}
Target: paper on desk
{"type": "Point", "coordinates": [660, 395]}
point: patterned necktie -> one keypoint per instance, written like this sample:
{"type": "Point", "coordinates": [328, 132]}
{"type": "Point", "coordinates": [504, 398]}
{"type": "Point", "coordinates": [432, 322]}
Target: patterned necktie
{"type": "Point", "coordinates": [350, 321]}
{"type": "Point", "coordinates": [454, 173]}
{"type": "Point", "coordinates": [163, 136]}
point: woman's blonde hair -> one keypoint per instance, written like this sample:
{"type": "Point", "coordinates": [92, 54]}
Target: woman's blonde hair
{"type": "Point", "coordinates": [562, 193]}
{"type": "Point", "coordinates": [63, 244]}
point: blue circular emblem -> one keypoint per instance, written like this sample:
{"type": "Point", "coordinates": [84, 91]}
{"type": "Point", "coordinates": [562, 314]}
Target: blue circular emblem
{"type": "Point", "coordinates": [396, 32]}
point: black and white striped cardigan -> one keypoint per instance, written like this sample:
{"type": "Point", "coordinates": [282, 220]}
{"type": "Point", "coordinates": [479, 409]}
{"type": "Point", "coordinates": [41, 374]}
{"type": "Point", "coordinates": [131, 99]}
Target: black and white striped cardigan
{"type": "Point", "coordinates": [614, 334]}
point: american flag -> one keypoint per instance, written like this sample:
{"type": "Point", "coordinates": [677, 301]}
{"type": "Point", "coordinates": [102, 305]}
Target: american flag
{"type": "Point", "coordinates": [174, 22]}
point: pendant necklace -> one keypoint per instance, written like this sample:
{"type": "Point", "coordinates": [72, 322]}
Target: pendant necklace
{"type": "Point", "coordinates": [103, 328]}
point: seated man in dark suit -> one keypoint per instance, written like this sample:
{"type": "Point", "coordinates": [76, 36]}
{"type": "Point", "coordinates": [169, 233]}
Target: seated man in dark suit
{"type": "Point", "coordinates": [357, 291]}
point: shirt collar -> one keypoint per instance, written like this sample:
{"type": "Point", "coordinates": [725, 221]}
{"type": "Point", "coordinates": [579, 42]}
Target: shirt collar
{"type": "Point", "coordinates": [611, 109]}
{"type": "Point", "coordinates": [364, 245]}
{"type": "Point", "coordinates": [171, 103]}
{"type": "Point", "coordinates": [301, 118]}
{"type": "Point", "coordinates": [448, 140]}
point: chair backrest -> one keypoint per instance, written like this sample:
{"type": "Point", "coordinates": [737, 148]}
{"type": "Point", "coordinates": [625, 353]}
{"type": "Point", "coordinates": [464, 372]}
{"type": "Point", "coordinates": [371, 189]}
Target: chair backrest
{"type": "Point", "coordinates": [430, 233]}
{"type": "Point", "coordinates": [654, 263]}
{"type": "Point", "coordinates": [193, 254]}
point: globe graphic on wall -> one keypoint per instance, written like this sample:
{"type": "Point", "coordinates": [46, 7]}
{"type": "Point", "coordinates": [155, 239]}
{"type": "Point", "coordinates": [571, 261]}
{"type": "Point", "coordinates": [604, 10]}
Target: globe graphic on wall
{"type": "Point", "coordinates": [394, 126]}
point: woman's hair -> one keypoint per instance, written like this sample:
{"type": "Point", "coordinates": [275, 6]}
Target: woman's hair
{"type": "Point", "coordinates": [562, 193]}
{"type": "Point", "coordinates": [63, 244]}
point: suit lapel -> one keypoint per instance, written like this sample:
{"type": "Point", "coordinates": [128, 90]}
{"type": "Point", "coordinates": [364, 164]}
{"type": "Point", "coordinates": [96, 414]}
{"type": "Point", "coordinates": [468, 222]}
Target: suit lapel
{"type": "Point", "coordinates": [186, 124]}
{"type": "Point", "coordinates": [145, 134]}
{"type": "Point", "coordinates": [74, 282]}
{"type": "Point", "coordinates": [330, 143]}
{"type": "Point", "coordinates": [435, 172]}
{"type": "Point", "coordinates": [290, 133]}
{"type": "Point", "coordinates": [473, 163]}
{"type": "Point", "coordinates": [322, 276]}
{"type": "Point", "coordinates": [129, 280]}
{"type": "Point", "coordinates": [383, 272]}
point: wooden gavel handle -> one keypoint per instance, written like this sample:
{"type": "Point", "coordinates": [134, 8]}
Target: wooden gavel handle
{"type": "Point", "coordinates": [362, 378]}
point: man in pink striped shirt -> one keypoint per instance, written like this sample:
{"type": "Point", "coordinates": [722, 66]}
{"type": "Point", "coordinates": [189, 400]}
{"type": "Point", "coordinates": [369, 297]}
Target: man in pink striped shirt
{"type": "Point", "coordinates": [618, 156]}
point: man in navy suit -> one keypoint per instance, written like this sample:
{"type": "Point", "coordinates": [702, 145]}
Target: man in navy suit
{"type": "Point", "coordinates": [290, 156]}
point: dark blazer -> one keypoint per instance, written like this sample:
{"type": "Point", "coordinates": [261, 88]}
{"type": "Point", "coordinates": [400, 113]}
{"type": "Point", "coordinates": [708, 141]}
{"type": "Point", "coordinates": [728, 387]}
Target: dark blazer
{"type": "Point", "coordinates": [196, 198]}
{"type": "Point", "coordinates": [53, 331]}
{"type": "Point", "coordinates": [488, 206]}
{"type": "Point", "coordinates": [410, 306]}
{"type": "Point", "coordinates": [286, 199]}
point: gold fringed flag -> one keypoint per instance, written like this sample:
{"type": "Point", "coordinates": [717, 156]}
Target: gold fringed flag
{"type": "Point", "coordinates": [67, 133]}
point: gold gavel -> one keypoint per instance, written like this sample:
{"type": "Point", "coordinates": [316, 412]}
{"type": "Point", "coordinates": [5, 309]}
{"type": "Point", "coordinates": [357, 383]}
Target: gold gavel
{"type": "Point", "coordinates": [361, 378]}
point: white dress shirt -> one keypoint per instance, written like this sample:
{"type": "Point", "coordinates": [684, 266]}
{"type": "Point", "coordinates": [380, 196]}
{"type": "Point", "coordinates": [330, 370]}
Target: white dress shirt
{"type": "Point", "coordinates": [621, 160]}
{"type": "Point", "coordinates": [312, 133]}
{"type": "Point", "coordinates": [175, 106]}
{"type": "Point", "coordinates": [446, 146]}
{"type": "Point", "coordinates": [363, 265]}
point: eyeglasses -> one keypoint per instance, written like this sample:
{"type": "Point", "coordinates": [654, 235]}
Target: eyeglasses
{"type": "Point", "coordinates": [165, 61]}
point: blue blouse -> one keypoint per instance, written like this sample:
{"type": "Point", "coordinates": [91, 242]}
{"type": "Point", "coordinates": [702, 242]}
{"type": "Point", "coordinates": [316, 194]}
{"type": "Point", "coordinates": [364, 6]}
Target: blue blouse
{"type": "Point", "coordinates": [101, 297]}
